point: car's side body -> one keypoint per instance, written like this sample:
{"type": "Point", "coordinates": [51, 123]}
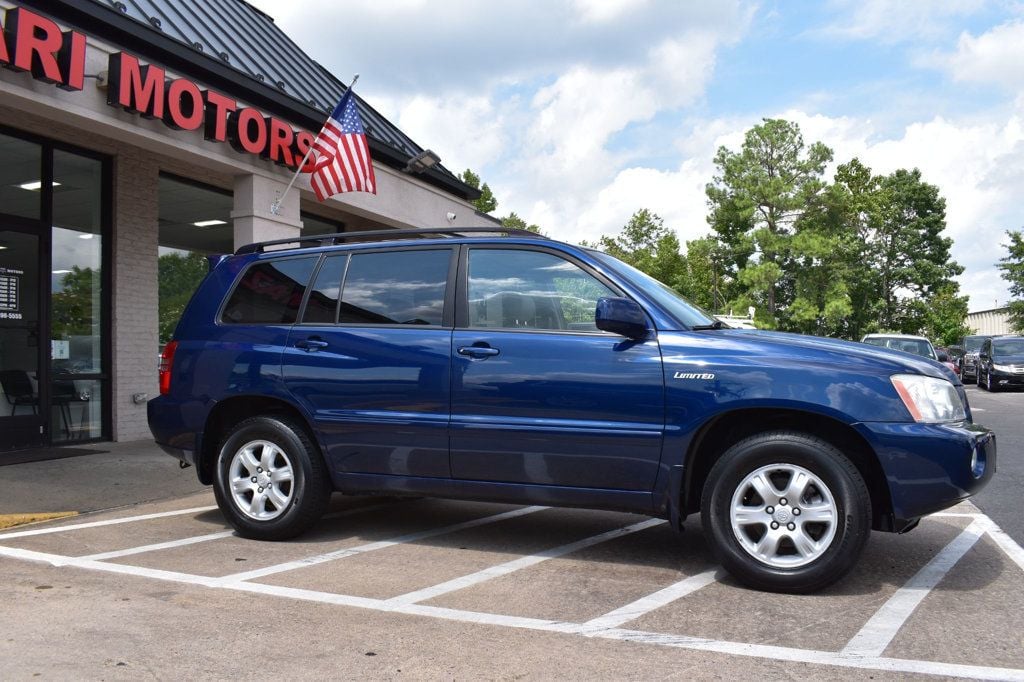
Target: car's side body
{"type": "Point", "coordinates": [1000, 363]}
{"type": "Point", "coordinates": [560, 417]}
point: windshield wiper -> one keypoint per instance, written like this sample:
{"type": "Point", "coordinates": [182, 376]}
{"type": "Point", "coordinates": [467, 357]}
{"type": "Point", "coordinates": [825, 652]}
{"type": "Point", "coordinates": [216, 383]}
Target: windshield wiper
{"type": "Point", "coordinates": [717, 324]}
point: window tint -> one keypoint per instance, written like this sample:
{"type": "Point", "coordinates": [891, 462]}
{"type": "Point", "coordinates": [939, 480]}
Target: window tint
{"type": "Point", "coordinates": [270, 293]}
{"type": "Point", "coordinates": [530, 290]}
{"type": "Point", "coordinates": [322, 305]}
{"type": "Point", "coordinates": [400, 287]}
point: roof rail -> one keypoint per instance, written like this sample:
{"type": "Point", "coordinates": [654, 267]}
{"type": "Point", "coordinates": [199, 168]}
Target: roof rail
{"type": "Point", "coordinates": [371, 235]}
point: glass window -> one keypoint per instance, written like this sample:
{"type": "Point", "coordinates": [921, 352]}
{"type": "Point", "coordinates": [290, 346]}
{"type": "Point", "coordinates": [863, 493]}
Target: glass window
{"type": "Point", "coordinates": [322, 306]}
{"type": "Point", "coordinates": [516, 289]}
{"type": "Point", "coordinates": [1006, 347]}
{"type": "Point", "coordinates": [399, 287]}
{"type": "Point", "coordinates": [312, 225]}
{"type": "Point", "coordinates": [21, 177]}
{"type": "Point", "coordinates": [195, 221]}
{"type": "Point", "coordinates": [270, 292]}
{"type": "Point", "coordinates": [76, 277]}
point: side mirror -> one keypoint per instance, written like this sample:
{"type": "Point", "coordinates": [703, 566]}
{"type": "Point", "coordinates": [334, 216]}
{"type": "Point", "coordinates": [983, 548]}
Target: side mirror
{"type": "Point", "coordinates": [943, 357]}
{"type": "Point", "coordinates": [621, 316]}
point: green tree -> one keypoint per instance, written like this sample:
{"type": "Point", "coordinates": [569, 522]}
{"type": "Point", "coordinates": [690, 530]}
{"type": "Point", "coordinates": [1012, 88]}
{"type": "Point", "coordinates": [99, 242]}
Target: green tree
{"type": "Point", "coordinates": [909, 253]}
{"type": "Point", "coordinates": [702, 284]}
{"type": "Point", "coordinates": [179, 276]}
{"type": "Point", "coordinates": [1013, 272]}
{"type": "Point", "coordinates": [649, 246]}
{"type": "Point", "coordinates": [946, 316]}
{"type": "Point", "coordinates": [755, 199]}
{"type": "Point", "coordinates": [514, 222]}
{"type": "Point", "coordinates": [487, 203]}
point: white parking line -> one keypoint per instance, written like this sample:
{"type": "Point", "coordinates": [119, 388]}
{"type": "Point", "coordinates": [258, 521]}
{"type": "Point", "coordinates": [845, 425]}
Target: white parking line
{"type": "Point", "coordinates": [516, 564]}
{"type": "Point", "coordinates": [1005, 542]}
{"type": "Point", "coordinates": [776, 653]}
{"type": "Point", "coordinates": [879, 631]}
{"type": "Point", "coordinates": [108, 522]}
{"type": "Point", "coordinates": [373, 546]}
{"type": "Point", "coordinates": [645, 605]}
{"type": "Point", "coordinates": [171, 544]}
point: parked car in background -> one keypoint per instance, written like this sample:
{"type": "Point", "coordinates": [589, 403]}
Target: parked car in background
{"type": "Point", "coordinates": [947, 359]}
{"type": "Point", "coordinates": [915, 345]}
{"type": "Point", "coordinates": [969, 360]}
{"type": "Point", "coordinates": [1001, 363]}
{"type": "Point", "coordinates": [495, 364]}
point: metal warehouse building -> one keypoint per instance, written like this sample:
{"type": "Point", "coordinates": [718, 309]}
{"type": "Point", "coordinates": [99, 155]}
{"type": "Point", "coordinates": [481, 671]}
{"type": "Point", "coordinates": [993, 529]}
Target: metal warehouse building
{"type": "Point", "coordinates": [137, 137]}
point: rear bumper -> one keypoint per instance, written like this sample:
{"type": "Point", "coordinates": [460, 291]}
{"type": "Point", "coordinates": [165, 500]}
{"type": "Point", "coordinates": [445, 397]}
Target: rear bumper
{"type": "Point", "coordinates": [173, 430]}
{"type": "Point", "coordinates": [930, 467]}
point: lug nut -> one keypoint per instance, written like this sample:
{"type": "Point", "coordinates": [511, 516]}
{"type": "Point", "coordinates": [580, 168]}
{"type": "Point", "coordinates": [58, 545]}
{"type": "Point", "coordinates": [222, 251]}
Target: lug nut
{"type": "Point", "coordinates": [259, 470]}
{"type": "Point", "coordinates": [260, 490]}
{"type": "Point", "coordinates": [775, 526]}
{"type": "Point", "coordinates": [796, 511]}
{"type": "Point", "coordinates": [770, 510]}
{"type": "Point", "coordinates": [783, 501]}
{"type": "Point", "coordinates": [253, 479]}
{"type": "Point", "coordinates": [791, 526]}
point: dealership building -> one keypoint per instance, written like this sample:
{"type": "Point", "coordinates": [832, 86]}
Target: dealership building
{"type": "Point", "coordinates": [136, 138]}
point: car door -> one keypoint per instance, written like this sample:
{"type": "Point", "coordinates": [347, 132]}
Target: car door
{"type": "Point", "coordinates": [370, 360]}
{"type": "Point", "coordinates": [539, 394]}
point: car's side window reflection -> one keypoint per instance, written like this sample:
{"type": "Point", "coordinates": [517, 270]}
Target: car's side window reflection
{"type": "Point", "coordinates": [518, 289]}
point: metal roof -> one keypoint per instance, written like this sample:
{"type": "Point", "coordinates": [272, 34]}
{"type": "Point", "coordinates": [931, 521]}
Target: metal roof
{"type": "Point", "coordinates": [214, 34]}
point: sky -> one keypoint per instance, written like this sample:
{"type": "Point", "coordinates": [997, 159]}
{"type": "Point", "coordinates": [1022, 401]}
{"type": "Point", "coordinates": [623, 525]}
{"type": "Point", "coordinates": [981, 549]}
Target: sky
{"type": "Point", "coordinates": [578, 113]}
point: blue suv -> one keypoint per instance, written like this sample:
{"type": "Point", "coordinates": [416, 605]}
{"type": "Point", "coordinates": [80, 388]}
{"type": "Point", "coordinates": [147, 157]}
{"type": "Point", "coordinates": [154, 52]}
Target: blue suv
{"type": "Point", "coordinates": [508, 367]}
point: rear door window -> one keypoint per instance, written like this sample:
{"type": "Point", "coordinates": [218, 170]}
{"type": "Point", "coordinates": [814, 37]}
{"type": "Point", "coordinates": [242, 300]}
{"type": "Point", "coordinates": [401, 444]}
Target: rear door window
{"type": "Point", "coordinates": [270, 292]}
{"type": "Point", "coordinates": [396, 287]}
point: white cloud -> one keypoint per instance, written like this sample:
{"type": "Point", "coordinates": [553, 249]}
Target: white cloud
{"type": "Point", "coordinates": [995, 57]}
{"type": "Point", "coordinates": [895, 22]}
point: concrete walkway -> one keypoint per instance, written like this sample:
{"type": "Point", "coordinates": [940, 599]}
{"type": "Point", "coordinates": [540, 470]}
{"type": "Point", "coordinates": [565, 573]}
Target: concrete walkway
{"type": "Point", "coordinates": [118, 474]}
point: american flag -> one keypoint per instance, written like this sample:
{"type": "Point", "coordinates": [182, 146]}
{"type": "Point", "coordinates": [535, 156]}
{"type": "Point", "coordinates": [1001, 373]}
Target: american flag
{"type": "Point", "coordinates": [342, 158]}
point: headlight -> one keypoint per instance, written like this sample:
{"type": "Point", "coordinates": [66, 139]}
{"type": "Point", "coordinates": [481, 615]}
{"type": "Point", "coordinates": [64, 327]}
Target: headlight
{"type": "Point", "coordinates": [929, 400]}
{"type": "Point", "coordinates": [1002, 368]}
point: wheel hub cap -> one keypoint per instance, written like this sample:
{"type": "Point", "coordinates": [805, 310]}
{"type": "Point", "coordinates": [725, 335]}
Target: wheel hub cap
{"type": "Point", "coordinates": [783, 515]}
{"type": "Point", "coordinates": [260, 477]}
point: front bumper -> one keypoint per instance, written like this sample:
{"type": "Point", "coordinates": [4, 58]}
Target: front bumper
{"type": "Point", "coordinates": [1007, 379]}
{"type": "Point", "coordinates": [930, 467]}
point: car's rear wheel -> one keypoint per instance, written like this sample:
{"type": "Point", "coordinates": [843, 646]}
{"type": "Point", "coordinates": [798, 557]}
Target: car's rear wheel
{"type": "Point", "coordinates": [270, 483]}
{"type": "Point", "coordinates": [786, 512]}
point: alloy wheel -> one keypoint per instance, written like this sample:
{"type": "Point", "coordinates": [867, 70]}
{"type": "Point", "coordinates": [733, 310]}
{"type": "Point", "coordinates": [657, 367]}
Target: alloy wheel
{"type": "Point", "coordinates": [783, 515]}
{"type": "Point", "coordinates": [261, 478]}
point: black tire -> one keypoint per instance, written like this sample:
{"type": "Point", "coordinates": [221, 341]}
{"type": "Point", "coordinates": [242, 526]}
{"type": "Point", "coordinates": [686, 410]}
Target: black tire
{"type": "Point", "coordinates": [977, 377]}
{"type": "Point", "coordinates": [307, 492]}
{"type": "Point", "coordinates": [989, 386]}
{"type": "Point", "coordinates": [843, 484]}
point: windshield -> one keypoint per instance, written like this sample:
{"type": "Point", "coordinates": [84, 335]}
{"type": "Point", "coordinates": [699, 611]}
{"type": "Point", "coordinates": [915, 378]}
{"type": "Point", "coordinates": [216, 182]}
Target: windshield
{"type": "Point", "coordinates": [664, 296]}
{"type": "Point", "coordinates": [1002, 347]}
{"type": "Point", "coordinates": [912, 346]}
{"type": "Point", "coordinates": [972, 344]}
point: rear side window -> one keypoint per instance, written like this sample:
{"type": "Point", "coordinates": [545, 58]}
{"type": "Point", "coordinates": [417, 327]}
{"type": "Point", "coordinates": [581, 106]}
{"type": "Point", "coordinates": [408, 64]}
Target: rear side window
{"type": "Point", "coordinates": [397, 287]}
{"type": "Point", "coordinates": [322, 305]}
{"type": "Point", "coordinates": [270, 292]}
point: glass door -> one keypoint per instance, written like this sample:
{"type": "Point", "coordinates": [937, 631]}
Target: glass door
{"type": "Point", "coordinates": [21, 401]}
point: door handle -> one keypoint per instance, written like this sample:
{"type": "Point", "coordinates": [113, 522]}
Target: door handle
{"type": "Point", "coordinates": [311, 345]}
{"type": "Point", "coordinates": [478, 352]}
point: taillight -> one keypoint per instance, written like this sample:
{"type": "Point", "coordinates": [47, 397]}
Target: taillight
{"type": "Point", "coordinates": [166, 362]}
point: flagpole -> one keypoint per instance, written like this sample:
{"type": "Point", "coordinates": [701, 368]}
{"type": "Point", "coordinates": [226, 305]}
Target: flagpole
{"type": "Point", "coordinates": [275, 207]}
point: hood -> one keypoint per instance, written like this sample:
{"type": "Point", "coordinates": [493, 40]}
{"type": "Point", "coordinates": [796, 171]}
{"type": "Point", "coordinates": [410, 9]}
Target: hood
{"type": "Point", "coordinates": [785, 348]}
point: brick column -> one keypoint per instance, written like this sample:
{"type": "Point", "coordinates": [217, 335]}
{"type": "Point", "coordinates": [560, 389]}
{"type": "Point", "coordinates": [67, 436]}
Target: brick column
{"type": "Point", "coordinates": [253, 221]}
{"type": "Point", "coordinates": [136, 294]}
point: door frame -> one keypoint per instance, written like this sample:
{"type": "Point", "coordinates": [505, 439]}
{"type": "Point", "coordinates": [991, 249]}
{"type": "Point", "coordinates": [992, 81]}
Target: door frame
{"type": "Point", "coordinates": [42, 228]}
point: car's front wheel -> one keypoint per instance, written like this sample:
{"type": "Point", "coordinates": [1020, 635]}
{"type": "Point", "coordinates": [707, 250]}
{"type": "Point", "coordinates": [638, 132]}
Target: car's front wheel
{"type": "Point", "coordinates": [270, 483]}
{"type": "Point", "coordinates": [786, 512]}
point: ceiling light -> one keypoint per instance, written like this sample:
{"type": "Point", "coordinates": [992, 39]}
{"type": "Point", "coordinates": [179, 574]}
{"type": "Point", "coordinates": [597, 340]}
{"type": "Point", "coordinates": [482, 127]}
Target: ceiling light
{"type": "Point", "coordinates": [422, 162]}
{"type": "Point", "coordinates": [2, 248]}
{"type": "Point", "coordinates": [35, 186]}
{"type": "Point", "coordinates": [60, 272]}
{"type": "Point", "coordinates": [209, 223]}
{"type": "Point", "coordinates": [86, 236]}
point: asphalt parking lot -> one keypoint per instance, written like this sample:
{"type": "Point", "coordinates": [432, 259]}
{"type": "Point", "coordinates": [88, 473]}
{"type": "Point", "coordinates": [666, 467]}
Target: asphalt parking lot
{"type": "Point", "coordinates": [420, 588]}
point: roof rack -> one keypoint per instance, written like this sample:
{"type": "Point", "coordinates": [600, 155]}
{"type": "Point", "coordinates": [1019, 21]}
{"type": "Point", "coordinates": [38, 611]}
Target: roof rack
{"type": "Point", "coordinates": [371, 235]}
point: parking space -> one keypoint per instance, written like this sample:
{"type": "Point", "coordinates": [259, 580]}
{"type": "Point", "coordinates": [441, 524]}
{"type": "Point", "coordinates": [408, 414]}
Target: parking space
{"type": "Point", "coordinates": [944, 600]}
